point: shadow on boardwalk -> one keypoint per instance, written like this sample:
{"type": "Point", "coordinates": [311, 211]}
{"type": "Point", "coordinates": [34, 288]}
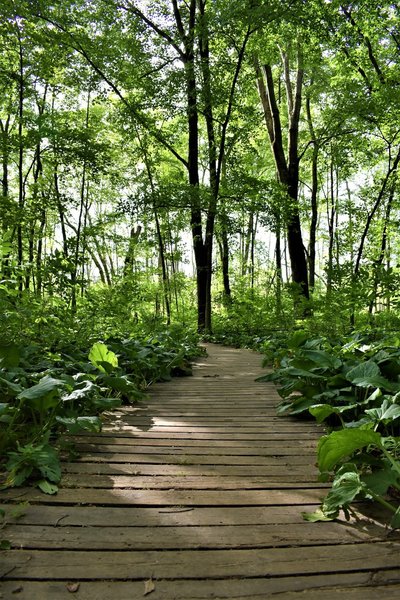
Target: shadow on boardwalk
{"type": "Point", "coordinates": [197, 494]}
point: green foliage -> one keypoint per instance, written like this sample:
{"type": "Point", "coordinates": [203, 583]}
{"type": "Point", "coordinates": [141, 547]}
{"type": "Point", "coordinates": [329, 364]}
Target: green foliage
{"type": "Point", "coordinates": [352, 384]}
{"type": "Point", "coordinates": [46, 393]}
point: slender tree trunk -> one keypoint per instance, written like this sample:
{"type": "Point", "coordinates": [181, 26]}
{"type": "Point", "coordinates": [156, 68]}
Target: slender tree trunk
{"type": "Point", "coordinates": [287, 168]}
{"type": "Point", "coordinates": [21, 191]}
{"type": "Point", "coordinates": [83, 203]}
{"type": "Point", "coordinates": [314, 197]}
{"type": "Point", "coordinates": [278, 258]}
{"type": "Point", "coordinates": [381, 257]}
{"type": "Point", "coordinates": [331, 210]}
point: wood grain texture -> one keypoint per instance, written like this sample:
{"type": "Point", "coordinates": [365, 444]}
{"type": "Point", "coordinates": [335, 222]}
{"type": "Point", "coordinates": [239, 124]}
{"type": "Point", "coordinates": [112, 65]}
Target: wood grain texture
{"type": "Point", "coordinates": [196, 493]}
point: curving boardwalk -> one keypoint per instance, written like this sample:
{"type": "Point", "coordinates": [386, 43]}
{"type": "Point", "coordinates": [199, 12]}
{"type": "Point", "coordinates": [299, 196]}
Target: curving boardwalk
{"type": "Point", "coordinates": [196, 494]}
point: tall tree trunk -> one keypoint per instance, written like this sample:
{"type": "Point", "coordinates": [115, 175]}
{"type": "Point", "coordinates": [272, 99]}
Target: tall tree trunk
{"type": "Point", "coordinates": [21, 190]}
{"type": "Point", "coordinates": [81, 217]}
{"type": "Point", "coordinates": [331, 212]}
{"type": "Point", "coordinates": [314, 197]}
{"type": "Point", "coordinates": [382, 252]}
{"type": "Point", "coordinates": [287, 168]}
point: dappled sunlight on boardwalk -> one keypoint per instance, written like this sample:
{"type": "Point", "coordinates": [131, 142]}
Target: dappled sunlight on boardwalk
{"type": "Point", "coordinates": [195, 493]}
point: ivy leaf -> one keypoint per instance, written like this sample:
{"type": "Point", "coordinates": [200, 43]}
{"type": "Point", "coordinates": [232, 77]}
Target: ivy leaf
{"type": "Point", "coordinates": [339, 444]}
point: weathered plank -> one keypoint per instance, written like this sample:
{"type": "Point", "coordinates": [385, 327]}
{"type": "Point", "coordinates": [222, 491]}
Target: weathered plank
{"type": "Point", "coordinates": [181, 538]}
{"type": "Point", "coordinates": [269, 472]}
{"type": "Point", "coordinates": [358, 587]}
{"type": "Point", "coordinates": [194, 564]}
{"type": "Point", "coordinates": [123, 497]}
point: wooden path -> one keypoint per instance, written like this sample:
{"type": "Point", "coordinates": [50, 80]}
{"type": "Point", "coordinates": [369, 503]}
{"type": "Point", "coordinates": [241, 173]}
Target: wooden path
{"type": "Point", "coordinates": [196, 494]}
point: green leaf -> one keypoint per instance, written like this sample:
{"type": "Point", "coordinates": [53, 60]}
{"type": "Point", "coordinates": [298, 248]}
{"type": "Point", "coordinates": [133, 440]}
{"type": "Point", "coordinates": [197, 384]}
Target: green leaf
{"type": "Point", "coordinates": [102, 358]}
{"type": "Point", "coordinates": [10, 355]}
{"type": "Point", "coordinates": [315, 516]}
{"type": "Point", "coordinates": [340, 444]}
{"type": "Point", "coordinates": [395, 522]}
{"type": "Point", "coordinates": [10, 388]}
{"type": "Point", "coordinates": [322, 411]}
{"type": "Point", "coordinates": [46, 384]}
{"type": "Point", "coordinates": [323, 359]}
{"type": "Point", "coordinates": [387, 411]}
{"type": "Point", "coordinates": [101, 403]}
{"type": "Point", "coordinates": [346, 486]}
{"type": "Point", "coordinates": [47, 487]}
{"type": "Point", "coordinates": [5, 545]}
{"type": "Point", "coordinates": [363, 370]}
{"type": "Point", "coordinates": [379, 481]}
{"type": "Point", "coordinates": [123, 385]}
{"type": "Point", "coordinates": [76, 425]}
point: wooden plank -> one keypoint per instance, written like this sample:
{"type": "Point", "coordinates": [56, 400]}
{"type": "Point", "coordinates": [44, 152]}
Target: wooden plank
{"type": "Point", "coordinates": [101, 440]}
{"type": "Point", "coordinates": [290, 472]}
{"type": "Point", "coordinates": [99, 516]}
{"type": "Point", "coordinates": [180, 482]}
{"type": "Point", "coordinates": [148, 437]}
{"type": "Point", "coordinates": [210, 450]}
{"type": "Point", "coordinates": [206, 434]}
{"type": "Point", "coordinates": [191, 459]}
{"type": "Point", "coordinates": [358, 587]}
{"type": "Point", "coordinates": [181, 538]}
{"type": "Point", "coordinates": [211, 564]}
{"type": "Point", "coordinates": [173, 497]}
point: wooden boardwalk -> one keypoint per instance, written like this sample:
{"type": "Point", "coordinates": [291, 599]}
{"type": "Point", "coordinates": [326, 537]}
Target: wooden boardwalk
{"type": "Point", "coordinates": [195, 494]}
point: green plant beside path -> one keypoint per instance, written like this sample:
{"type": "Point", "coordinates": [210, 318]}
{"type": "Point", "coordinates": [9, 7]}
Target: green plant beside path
{"type": "Point", "coordinates": [352, 386]}
{"type": "Point", "coordinates": [45, 394]}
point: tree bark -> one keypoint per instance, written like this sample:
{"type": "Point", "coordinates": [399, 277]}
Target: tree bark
{"type": "Point", "coordinates": [287, 168]}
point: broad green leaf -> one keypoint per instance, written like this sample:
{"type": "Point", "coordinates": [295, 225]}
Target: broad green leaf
{"type": "Point", "coordinates": [379, 481]}
{"type": "Point", "coordinates": [102, 358]}
{"type": "Point", "coordinates": [83, 390]}
{"type": "Point", "coordinates": [45, 386]}
{"type": "Point", "coordinates": [297, 339]}
{"type": "Point", "coordinates": [374, 381]}
{"type": "Point", "coordinates": [346, 486]}
{"type": "Point", "coordinates": [322, 411]}
{"type": "Point", "coordinates": [293, 372]}
{"type": "Point", "coordinates": [363, 370]}
{"type": "Point", "coordinates": [323, 359]}
{"type": "Point", "coordinates": [10, 388]}
{"type": "Point", "coordinates": [123, 385]}
{"type": "Point", "coordinates": [47, 487]}
{"type": "Point", "coordinates": [101, 403]}
{"type": "Point", "coordinates": [387, 411]}
{"type": "Point", "coordinates": [78, 424]}
{"type": "Point", "coordinates": [341, 444]}
{"type": "Point", "coordinates": [10, 355]}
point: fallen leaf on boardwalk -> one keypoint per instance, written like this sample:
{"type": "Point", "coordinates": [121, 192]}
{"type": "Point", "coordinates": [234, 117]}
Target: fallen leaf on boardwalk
{"type": "Point", "coordinates": [148, 587]}
{"type": "Point", "coordinates": [73, 587]}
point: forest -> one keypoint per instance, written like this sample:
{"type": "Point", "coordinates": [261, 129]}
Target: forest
{"type": "Point", "coordinates": [188, 170]}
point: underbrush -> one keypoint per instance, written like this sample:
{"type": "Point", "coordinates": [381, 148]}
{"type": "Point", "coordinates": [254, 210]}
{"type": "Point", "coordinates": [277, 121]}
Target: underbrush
{"type": "Point", "coordinates": [352, 385]}
{"type": "Point", "coordinates": [47, 390]}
